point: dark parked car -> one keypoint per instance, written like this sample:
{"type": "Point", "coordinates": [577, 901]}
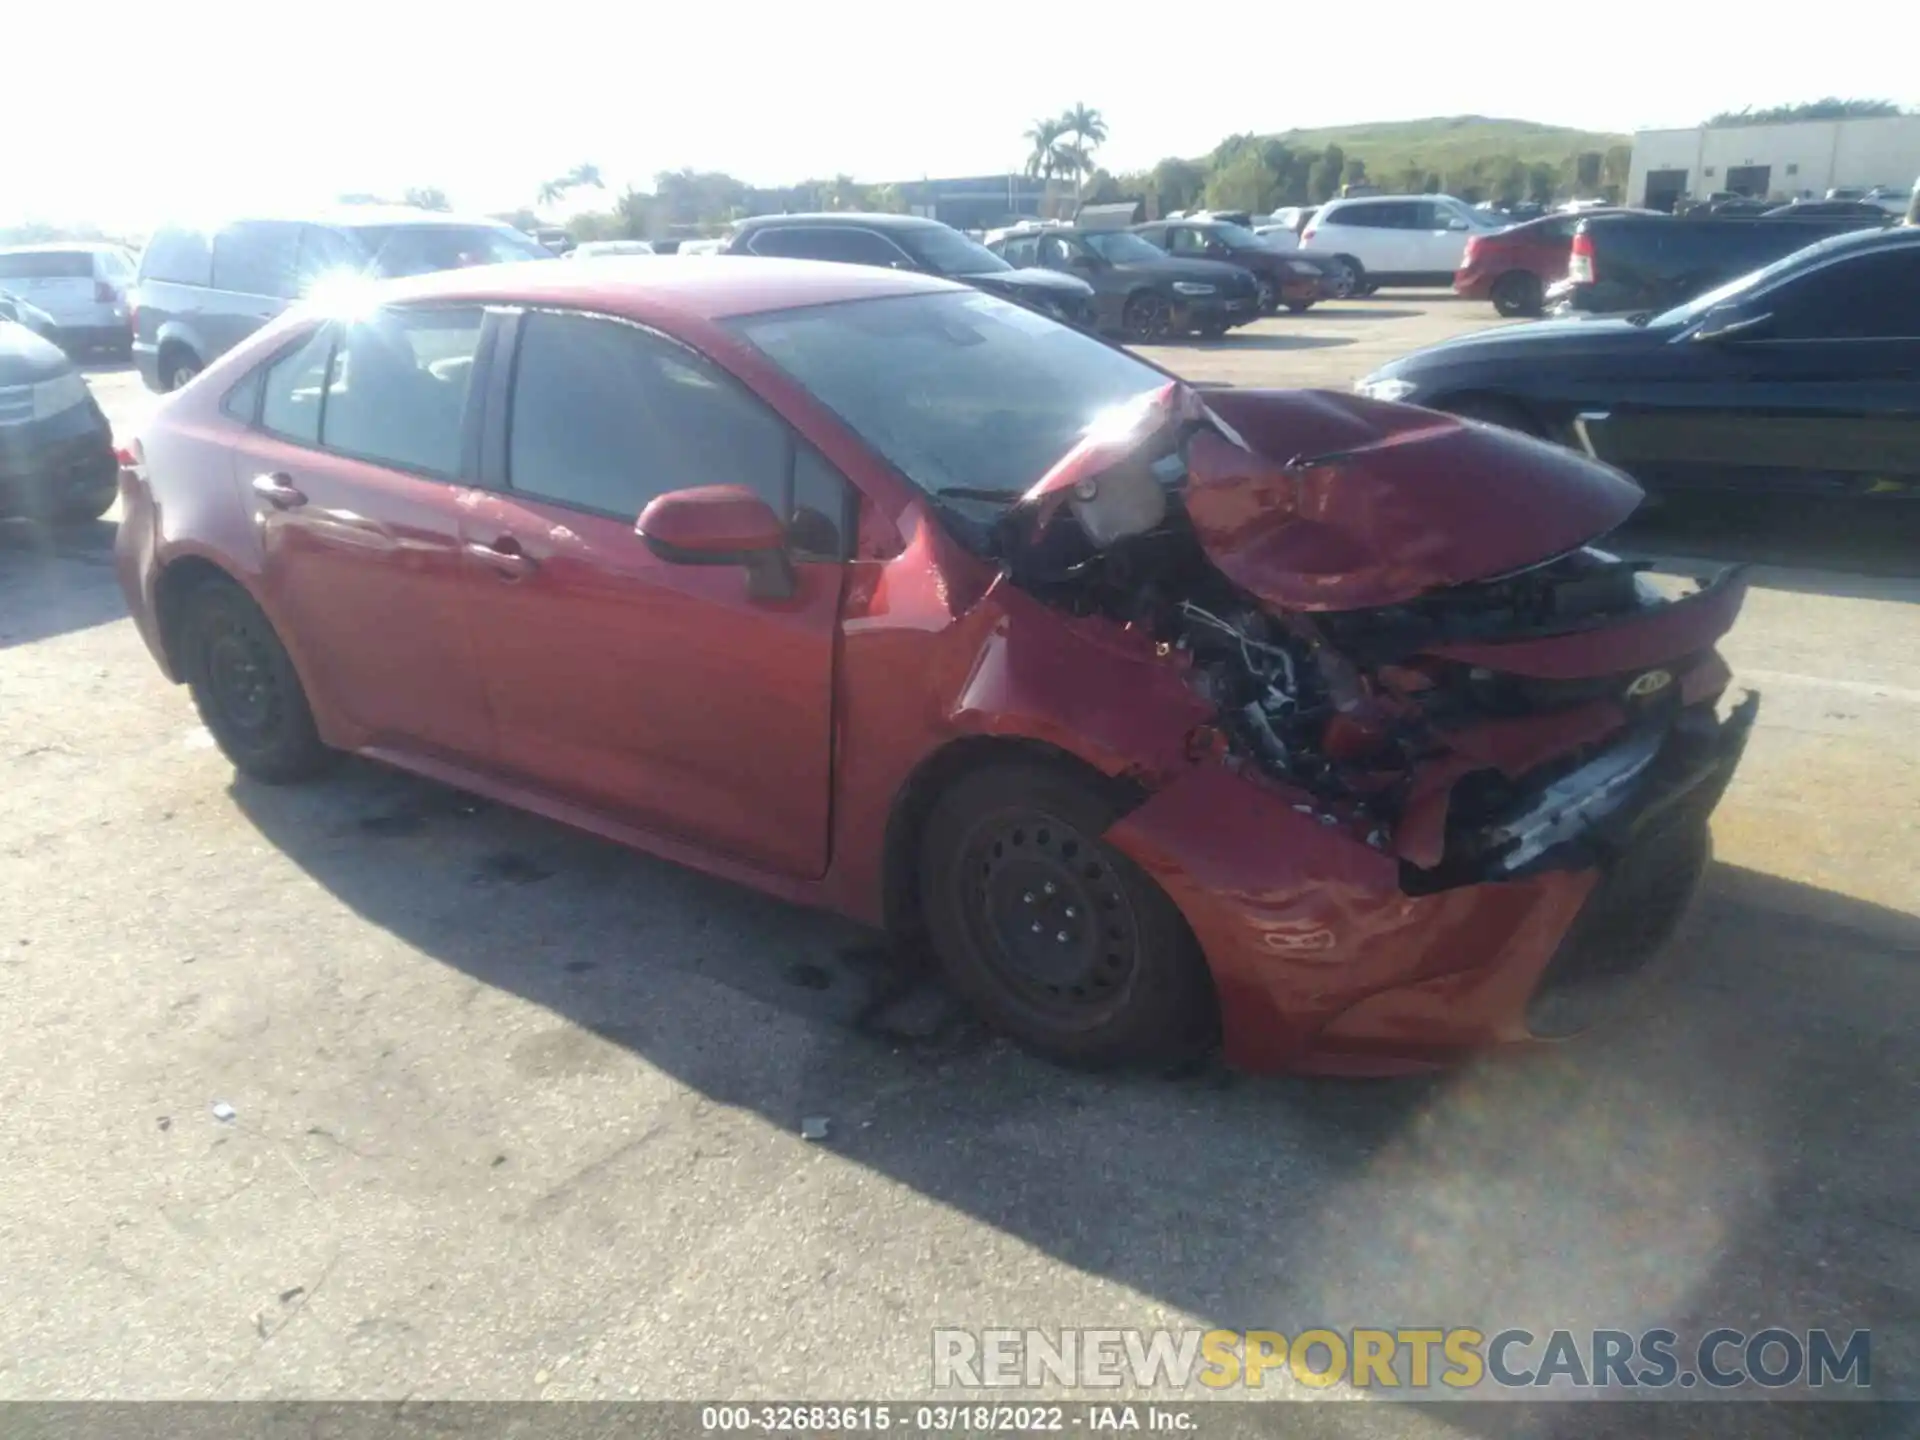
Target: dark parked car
{"type": "Point", "coordinates": [199, 293]}
{"type": "Point", "coordinates": [1863, 210]}
{"type": "Point", "coordinates": [1632, 263]}
{"type": "Point", "coordinates": [1514, 267]}
{"type": "Point", "coordinates": [911, 242]}
{"type": "Point", "coordinates": [1138, 290]}
{"type": "Point", "coordinates": [1803, 376]}
{"type": "Point", "coordinates": [1286, 716]}
{"type": "Point", "coordinates": [56, 450]}
{"type": "Point", "coordinates": [1284, 278]}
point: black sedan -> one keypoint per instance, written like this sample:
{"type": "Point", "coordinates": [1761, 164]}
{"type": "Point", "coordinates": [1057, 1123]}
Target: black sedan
{"type": "Point", "coordinates": [1138, 291]}
{"type": "Point", "coordinates": [1803, 376]}
{"type": "Point", "coordinates": [911, 242]}
{"type": "Point", "coordinates": [56, 452]}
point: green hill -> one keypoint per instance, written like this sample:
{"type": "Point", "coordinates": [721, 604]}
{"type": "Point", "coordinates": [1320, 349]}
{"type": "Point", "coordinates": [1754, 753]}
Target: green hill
{"type": "Point", "coordinates": [1452, 144]}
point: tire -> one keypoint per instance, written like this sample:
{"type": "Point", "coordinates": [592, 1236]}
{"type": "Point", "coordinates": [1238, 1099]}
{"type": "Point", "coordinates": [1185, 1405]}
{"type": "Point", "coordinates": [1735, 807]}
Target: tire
{"type": "Point", "coordinates": [1147, 317]}
{"type": "Point", "coordinates": [1269, 294]}
{"type": "Point", "coordinates": [1518, 292]}
{"type": "Point", "coordinates": [86, 507]}
{"type": "Point", "coordinates": [178, 365]}
{"type": "Point", "coordinates": [1021, 839]}
{"type": "Point", "coordinates": [1349, 276]}
{"type": "Point", "coordinates": [245, 687]}
{"type": "Point", "coordinates": [1214, 329]}
{"type": "Point", "coordinates": [1299, 307]}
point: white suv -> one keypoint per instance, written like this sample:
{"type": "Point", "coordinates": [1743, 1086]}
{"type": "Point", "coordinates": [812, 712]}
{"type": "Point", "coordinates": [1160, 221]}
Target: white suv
{"type": "Point", "coordinates": [1393, 239]}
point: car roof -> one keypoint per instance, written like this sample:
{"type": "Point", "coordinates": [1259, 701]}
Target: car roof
{"type": "Point", "coordinates": [864, 219]}
{"type": "Point", "coordinates": [697, 287]}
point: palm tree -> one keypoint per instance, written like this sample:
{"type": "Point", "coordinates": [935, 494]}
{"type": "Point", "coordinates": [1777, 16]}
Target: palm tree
{"type": "Point", "coordinates": [1043, 161]}
{"type": "Point", "coordinates": [1089, 130]}
{"type": "Point", "coordinates": [555, 190]}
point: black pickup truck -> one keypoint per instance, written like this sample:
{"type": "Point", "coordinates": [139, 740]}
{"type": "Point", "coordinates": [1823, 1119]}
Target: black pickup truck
{"type": "Point", "coordinates": [1626, 264]}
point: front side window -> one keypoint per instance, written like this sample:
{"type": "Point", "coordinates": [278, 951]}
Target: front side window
{"type": "Point", "coordinates": [957, 390]}
{"type": "Point", "coordinates": [397, 394]}
{"type": "Point", "coordinates": [1867, 297]}
{"type": "Point", "coordinates": [258, 257]}
{"type": "Point", "coordinates": [605, 416]}
{"type": "Point", "coordinates": [1184, 240]}
{"type": "Point", "coordinates": [827, 242]}
{"type": "Point", "coordinates": [945, 251]}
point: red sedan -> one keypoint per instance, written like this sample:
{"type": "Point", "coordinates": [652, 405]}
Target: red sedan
{"type": "Point", "coordinates": [1514, 267]}
{"type": "Point", "coordinates": [1300, 719]}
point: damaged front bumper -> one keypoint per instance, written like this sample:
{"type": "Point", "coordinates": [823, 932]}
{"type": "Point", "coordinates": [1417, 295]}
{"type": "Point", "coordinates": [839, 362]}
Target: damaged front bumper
{"type": "Point", "coordinates": [1326, 959]}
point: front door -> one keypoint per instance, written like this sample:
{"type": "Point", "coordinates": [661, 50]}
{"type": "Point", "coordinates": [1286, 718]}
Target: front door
{"type": "Point", "coordinates": [354, 469]}
{"type": "Point", "coordinates": [661, 695]}
{"type": "Point", "coordinates": [1819, 393]}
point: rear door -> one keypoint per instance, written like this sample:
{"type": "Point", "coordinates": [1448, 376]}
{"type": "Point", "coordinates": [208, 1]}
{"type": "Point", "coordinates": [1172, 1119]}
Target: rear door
{"type": "Point", "coordinates": [1820, 395]}
{"type": "Point", "coordinates": [357, 470]}
{"type": "Point", "coordinates": [663, 696]}
{"type": "Point", "coordinates": [256, 266]}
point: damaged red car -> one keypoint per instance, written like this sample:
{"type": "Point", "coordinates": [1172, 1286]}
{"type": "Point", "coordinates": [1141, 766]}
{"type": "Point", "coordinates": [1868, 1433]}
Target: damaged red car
{"type": "Point", "coordinates": [1311, 723]}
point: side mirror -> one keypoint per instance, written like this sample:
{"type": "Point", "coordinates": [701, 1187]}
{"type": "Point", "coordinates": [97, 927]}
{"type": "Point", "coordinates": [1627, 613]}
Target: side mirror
{"type": "Point", "coordinates": [721, 525]}
{"type": "Point", "coordinates": [1456, 223]}
{"type": "Point", "coordinates": [1727, 323]}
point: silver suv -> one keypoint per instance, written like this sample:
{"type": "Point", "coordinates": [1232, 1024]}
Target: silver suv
{"type": "Point", "coordinates": [200, 293]}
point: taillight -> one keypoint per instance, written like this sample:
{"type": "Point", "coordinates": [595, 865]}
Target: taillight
{"type": "Point", "coordinates": [1471, 254]}
{"type": "Point", "coordinates": [1306, 235]}
{"type": "Point", "coordinates": [1580, 262]}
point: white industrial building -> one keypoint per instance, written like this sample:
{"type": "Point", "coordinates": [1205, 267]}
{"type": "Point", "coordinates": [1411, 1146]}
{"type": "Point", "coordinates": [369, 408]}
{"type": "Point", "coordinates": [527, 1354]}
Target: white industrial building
{"type": "Point", "coordinates": [1789, 161]}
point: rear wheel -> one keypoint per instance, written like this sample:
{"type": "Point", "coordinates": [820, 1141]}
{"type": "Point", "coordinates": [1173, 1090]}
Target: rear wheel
{"type": "Point", "coordinates": [1147, 316]}
{"type": "Point", "coordinates": [1057, 939]}
{"type": "Point", "coordinates": [1269, 294]}
{"type": "Point", "coordinates": [1347, 276]}
{"type": "Point", "coordinates": [245, 687]}
{"type": "Point", "coordinates": [178, 365]}
{"type": "Point", "coordinates": [1518, 292]}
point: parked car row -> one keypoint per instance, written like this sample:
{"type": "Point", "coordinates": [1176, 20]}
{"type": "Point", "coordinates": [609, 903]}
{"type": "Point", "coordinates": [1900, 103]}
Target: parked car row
{"type": "Point", "coordinates": [1800, 376]}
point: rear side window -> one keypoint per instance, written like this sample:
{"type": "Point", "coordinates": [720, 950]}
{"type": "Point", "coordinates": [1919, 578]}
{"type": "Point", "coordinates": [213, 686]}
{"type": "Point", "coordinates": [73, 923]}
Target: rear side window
{"type": "Point", "coordinates": [397, 393]}
{"type": "Point", "coordinates": [605, 416]}
{"type": "Point", "coordinates": [47, 265]}
{"type": "Point", "coordinates": [294, 388]}
{"type": "Point", "coordinates": [1370, 217]}
{"type": "Point", "coordinates": [849, 246]}
{"type": "Point", "coordinates": [423, 249]}
{"type": "Point", "coordinates": [180, 257]}
{"type": "Point", "coordinates": [258, 257]}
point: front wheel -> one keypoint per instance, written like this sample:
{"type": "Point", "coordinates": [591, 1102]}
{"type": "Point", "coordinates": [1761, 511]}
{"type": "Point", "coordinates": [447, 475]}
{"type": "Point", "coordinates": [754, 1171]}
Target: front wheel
{"type": "Point", "coordinates": [1057, 939]}
{"type": "Point", "coordinates": [1147, 317]}
{"type": "Point", "coordinates": [1213, 329]}
{"type": "Point", "coordinates": [245, 687]}
{"type": "Point", "coordinates": [1269, 296]}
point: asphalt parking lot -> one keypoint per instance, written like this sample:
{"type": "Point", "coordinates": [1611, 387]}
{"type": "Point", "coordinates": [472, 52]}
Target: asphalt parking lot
{"type": "Point", "coordinates": [517, 1113]}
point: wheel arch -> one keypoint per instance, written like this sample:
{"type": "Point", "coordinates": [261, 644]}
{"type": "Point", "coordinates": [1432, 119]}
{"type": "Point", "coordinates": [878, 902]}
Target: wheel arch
{"type": "Point", "coordinates": [937, 773]}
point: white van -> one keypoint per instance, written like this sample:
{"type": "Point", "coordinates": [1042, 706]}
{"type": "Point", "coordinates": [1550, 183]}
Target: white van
{"type": "Point", "coordinates": [1415, 240]}
{"type": "Point", "coordinates": [84, 288]}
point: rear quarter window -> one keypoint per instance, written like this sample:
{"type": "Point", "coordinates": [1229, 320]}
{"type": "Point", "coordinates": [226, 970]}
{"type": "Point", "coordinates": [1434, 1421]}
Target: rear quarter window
{"type": "Point", "coordinates": [180, 257]}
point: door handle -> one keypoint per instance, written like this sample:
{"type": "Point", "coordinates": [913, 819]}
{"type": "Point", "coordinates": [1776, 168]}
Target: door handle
{"type": "Point", "coordinates": [278, 491]}
{"type": "Point", "coordinates": [506, 557]}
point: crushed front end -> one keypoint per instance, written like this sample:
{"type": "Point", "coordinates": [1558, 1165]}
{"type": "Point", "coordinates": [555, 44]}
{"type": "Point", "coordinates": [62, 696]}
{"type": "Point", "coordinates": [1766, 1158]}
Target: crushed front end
{"type": "Point", "coordinates": [1446, 800]}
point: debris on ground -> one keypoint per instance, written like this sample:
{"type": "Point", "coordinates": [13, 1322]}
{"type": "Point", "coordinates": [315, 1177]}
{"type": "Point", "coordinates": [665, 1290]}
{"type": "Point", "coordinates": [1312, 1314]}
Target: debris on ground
{"type": "Point", "coordinates": [814, 1127]}
{"type": "Point", "coordinates": [224, 1112]}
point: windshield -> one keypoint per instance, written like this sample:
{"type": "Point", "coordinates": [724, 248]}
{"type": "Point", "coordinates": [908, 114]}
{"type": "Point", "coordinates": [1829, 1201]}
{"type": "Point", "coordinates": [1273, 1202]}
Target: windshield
{"type": "Point", "coordinates": [958, 390]}
{"type": "Point", "coordinates": [1121, 247]}
{"type": "Point", "coordinates": [948, 252]}
{"type": "Point", "coordinates": [421, 249]}
{"type": "Point", "coordinates": [1754, 280]}
{"type": "Point", "coordinates": [1238, 236]}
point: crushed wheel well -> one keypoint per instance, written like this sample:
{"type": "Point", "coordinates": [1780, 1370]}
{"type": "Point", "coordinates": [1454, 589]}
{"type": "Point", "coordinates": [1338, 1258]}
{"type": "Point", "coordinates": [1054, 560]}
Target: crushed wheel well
{"type": "Point", "coordinates": [938, 773]}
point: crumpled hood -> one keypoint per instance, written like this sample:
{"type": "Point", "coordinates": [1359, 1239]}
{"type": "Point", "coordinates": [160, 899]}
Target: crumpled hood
{"type": "Point", "coordinates": [1313, 500]}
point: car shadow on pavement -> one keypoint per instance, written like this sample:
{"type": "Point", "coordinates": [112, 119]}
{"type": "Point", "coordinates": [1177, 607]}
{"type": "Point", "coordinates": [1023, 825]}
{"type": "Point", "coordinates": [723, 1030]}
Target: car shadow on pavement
{"type": "Point", "coordinates": [56, 582]}
{"type": "Point", "coordinates": [1357, 310]}
{"type": "Point", "coordinates": [1741, 1154]}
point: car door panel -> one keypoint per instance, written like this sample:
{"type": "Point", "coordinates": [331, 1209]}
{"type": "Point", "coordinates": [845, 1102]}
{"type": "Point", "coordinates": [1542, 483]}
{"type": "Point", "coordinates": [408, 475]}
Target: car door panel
{"type": "Point", "coordinates": [660, 695]}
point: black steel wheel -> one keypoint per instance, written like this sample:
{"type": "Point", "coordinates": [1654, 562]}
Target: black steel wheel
{"type": "Point", "coordinates": [1056, 938]}
{"type": "Point", "coordinates": [1269, 294]}
{"type": "Point", "coordinates": [245, 687]}
{"type": "Point", "coordinates": [1518, 292]}
{"type": "Point", "coordinates": [177, 368]}
{"type": "Point", "coordinates": [1147, 316]}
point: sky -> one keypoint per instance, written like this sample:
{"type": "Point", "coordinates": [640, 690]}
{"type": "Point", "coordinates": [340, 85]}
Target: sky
{"type": "Point", "coordinates": [124, 114]}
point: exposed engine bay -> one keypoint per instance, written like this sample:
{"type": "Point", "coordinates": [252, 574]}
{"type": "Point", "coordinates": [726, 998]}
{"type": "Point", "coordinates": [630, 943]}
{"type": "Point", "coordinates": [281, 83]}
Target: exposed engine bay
{"type": "Point", "coordinates": [1364, 709]}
